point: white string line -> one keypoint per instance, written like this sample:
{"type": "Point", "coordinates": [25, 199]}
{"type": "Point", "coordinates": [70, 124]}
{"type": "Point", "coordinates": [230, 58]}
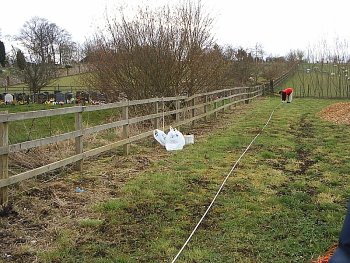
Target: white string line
{"type": "Point", "coordinates": [222, 185]}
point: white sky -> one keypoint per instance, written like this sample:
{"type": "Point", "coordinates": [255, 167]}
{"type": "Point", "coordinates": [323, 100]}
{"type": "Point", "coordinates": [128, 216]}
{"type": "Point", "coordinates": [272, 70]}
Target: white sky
{"type": "Point", "coordinates": [278, 25]}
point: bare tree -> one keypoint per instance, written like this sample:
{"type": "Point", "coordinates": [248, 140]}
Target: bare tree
{"type": "Point", "coordinates": [38, 75]}
{"type": "Point", "coordinates": [258, 54]}
{"type": "Point", "coordinates": [43, 39]}
{"type": "Point", "coordinates": [34, 37]}
{"type": "Point", "coordinates": [43, 42]}
{"type": "Point", "coordinates": [242, 66]}
{"type": "Point", "coordinates": [274, 67]}
{"type": "Point", "coordinates": [59, 41]}
{"type": "Point", "coordinates": [78, 55]}
{"type": "Point", "coordinates": [162, 52]}
{"type": "Point", "coordinates": [67, 51]}
{"type": "Point", "coordinates": [66, 48]}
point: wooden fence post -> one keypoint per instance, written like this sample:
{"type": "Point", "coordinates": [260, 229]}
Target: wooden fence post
{"type": "Point", "coordinates": [163, 114]}
{"type": "Point", "coordinates": [206, 107]}
{"type": "Point", "coordinates": [125, 116]}
{"type": "Point", "coordinates": [193, 110]}
{"type": "Point", "coordinates": [156, 120]}
{"type": "Point", "coordinates": [216, 105]}
{"type": "Point", "coordinates": [177, 107]}
{"type": "Point", "coordinates": [184, 109]}
{"type": "Point", "coordinates": [235, 97]}
{"type": "Point", "coordinates": [223, 101]}
{"type": "Point", "coordinates": [79, 139]}
{"type": "Point", "coordinates": [246, 96]}
{"type": "Point", "coordinates": [272, 86]}
{"type": "Point", "coordinates": [262, 89]}
{"type": "Point", "coordinates": [4, 161]}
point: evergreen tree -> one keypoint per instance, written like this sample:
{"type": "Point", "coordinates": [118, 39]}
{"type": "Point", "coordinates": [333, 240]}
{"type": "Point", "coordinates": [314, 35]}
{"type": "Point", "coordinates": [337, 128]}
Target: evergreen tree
{"type": "Point", "coordinates": [20, 60]}
{"type": "Point", "coordinates": [2, 54]}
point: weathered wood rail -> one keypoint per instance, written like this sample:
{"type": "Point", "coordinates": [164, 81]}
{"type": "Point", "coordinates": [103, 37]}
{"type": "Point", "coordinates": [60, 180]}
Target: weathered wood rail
{"type": "Point", "coordinates": [186, 110]}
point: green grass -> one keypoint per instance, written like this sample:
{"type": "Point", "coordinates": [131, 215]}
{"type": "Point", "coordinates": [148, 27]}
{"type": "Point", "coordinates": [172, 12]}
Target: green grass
{"type": "Point", "coordinates": [65, 84]}
{"type": "Point", "coordinates": [67, 81]}
{"type": "Point", "coordinates": [20, 131]}
{"type": "Point", "coordinates": [285, 202]}
{"type": "Point", "coordinates": [322, 81]}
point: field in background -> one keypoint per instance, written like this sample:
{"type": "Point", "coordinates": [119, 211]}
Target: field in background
{"type": "Point", "coordinates": [71, 83]}
{"type": "Point", "coordinates": [285, 202]}
{"type": "Point", "coordinates": [321, 80]}
{"type": "Point", "coordinates": [47, 126]}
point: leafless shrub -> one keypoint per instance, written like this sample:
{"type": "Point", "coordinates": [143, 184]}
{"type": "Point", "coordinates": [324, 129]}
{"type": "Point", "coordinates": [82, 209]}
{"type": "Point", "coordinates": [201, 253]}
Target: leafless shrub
{"type": "Point", "coordinates": [163, 52]}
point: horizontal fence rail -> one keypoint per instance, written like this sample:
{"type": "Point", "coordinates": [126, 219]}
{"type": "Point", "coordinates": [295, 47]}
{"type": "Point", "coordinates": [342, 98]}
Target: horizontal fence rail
{"type": "Point", "coordinates": [185, 110]}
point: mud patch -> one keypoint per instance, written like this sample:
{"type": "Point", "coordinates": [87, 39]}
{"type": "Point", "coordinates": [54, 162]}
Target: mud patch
{"type": "Point", "coordinates": [305, 160]}
{"type": "Point", "coordinates": [303, 129]}
{"type": "Point", "coordinates": [303, 132]}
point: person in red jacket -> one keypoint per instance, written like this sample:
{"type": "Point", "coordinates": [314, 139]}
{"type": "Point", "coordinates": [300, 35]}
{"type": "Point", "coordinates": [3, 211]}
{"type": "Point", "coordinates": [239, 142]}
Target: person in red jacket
{"type": "Point", "coordinates": [287, 94]}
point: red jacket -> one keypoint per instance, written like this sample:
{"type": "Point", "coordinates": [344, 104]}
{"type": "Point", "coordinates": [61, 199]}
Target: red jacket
{"type": "Point", "coordinates": [288, 91]}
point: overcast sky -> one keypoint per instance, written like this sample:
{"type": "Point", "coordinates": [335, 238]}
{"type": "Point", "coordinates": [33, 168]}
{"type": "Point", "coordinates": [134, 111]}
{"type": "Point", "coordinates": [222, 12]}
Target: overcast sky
{"type": "Point", "coordinates": [278, 25]}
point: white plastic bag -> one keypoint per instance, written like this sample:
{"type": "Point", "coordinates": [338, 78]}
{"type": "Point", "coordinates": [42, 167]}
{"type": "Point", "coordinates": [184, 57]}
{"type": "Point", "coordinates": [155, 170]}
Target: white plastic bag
{"type": "Point", "coordinates": [174, 140]}
{"type": "Point", "coordinates": [159, 136]}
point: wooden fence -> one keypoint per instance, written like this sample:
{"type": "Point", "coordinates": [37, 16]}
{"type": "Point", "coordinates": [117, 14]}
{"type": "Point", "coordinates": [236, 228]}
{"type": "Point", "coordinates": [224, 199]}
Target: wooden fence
{"type": "Point", "coordinates": [277, 83]}
{"type": "Point", "coordinates": [185, 110]}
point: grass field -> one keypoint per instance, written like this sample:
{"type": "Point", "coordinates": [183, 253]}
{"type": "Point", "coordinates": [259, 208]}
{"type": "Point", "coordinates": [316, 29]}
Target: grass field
{"type": "Point", "coordinates": [71, 83]}
{"type": "Point", "coordinates": [20, 131]}
{"type": "Point", "coordinates": [285, 202]}
{"type": "Point", "coordinates": [321, 81]}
